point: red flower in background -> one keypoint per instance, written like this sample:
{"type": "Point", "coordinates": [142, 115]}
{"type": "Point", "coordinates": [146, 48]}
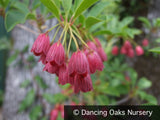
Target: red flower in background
{"type": "Point", "coordinates": [130, 53]}
{"type": "Point", "coordinates": [115, 50]}
{"type": "Point", "coordinates": [54, 114]}
{"type": "Point", "coordinates": [139, 50]}
{"type": "Point", "coordinates": [145, 42]}
{"type": "Point", "coordinates": [58, 109]}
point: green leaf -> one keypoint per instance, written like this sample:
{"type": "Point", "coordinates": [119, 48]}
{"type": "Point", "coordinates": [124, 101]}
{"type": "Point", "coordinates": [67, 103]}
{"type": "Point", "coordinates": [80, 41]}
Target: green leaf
{"type": "Point", "coordinates": [156, 22]}
{"type": "Point", "coordinates": [156, 50]}
{"type": "Point", "coordinates": [35, 4]}
{"type": "Point", "coordinates": [126, 21]}
{"type": "Point", "coordinates": [132, 32]}
{"type": "Point", "coordinates": [28, 100]}
{"type": "Point", "coordinates": [12, 58]}
{"type": "Point", "coordinates": [16, 16]}
{"type": "Point", "coordinates": [98, 8]}
{"type": "Point", "coordinates": [149, 98]}
{"type": "Point", "coordinates": [102, 100]}
{"type": "Point", "coordinates": [4, 43]}
{"type": "Point", "coordinates": [103, 32]}
{"type": "Point", "coordinates": [83, 6]}
{"type": "Point", "coordinates": [67, 5]}
{"type": "Point", "coordinates": [144, 83]}
{"type": "Point", "coordinates": [35, 112]}
{"type": "Point", "coordinates": [52, 7]}
{"type": "Point", "coordinates": [56, 98]}
{"type": "Point", "coordinates": [25, 83]}
{"type": "Point", "coordinates": [90, 21]}
{"type": "Point", "coordinates": [76, 4]}
{"type": "Point", "coordinates": [145, 21]}
{"type": "Point", "coordinates": [40, 82]}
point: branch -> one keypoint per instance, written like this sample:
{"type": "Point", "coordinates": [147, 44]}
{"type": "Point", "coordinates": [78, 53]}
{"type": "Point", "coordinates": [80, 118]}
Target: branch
{"type": "Point", "coordinates": [27, 29]}
{"type": "Point", "coordinates": [123, 100]}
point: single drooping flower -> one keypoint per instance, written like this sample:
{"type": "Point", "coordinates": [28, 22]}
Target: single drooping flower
{"type": "Point", "coordinates": [56, 54]}
{"type": "Point", "coordinates": [82, 83]}
{"type": "Point", "coordinates": [100, 50]}
{"type": "Point", "coordinates": [78, 64]}
{"type": "Point", "coordinates": [55, 58]}
{"type": "Point", "coordinates": [102, 54]}
{"type": "Point", "coordinates": [139, 50]}
{"type": "Point", "coordinates": [78, 69]}
{"type": "Point", "coordinates": [95, 62]}
{"type": "Point", "coordinates": [115, 50]}
{"type": "Point", "coordinates": [145, 42]}
{"type": "Point", "coordinates": [41, 45]}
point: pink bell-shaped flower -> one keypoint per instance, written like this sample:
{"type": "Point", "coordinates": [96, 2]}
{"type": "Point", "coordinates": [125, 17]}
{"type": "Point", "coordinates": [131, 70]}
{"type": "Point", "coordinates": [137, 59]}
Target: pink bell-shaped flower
{"type": "Point", "coordinates": [95, 62]}
{"type": "Point", "coordinates": [56, 54]}
{"type": "Point", "coordinates": [41, 45]}
{"type": "Point", "coordinates": [78, 64]}
{"type": "Point", "coordinates": [102, 54]}
{"type": "Point", "coordinates": [83, 84]}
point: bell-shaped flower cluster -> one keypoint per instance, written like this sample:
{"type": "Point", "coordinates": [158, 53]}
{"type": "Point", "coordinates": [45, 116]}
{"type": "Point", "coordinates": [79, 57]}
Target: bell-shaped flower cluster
{"type": "Point", "coordinates": [76, 70]}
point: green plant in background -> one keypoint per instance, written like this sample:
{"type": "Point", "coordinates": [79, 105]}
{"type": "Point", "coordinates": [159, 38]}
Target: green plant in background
{"type": "Point", "coordinates": [152, 27]}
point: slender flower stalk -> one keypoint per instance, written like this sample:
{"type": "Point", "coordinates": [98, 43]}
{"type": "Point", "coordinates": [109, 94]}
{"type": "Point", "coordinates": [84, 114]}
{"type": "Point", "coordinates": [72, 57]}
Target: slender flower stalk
{"type": "Point", "coordinates": [55, 34]}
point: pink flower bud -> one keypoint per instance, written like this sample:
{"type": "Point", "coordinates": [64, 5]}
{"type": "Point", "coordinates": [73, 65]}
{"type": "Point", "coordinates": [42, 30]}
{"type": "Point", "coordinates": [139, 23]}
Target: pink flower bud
{"type": "Point", "coordinates": [139, 50]}
{"type": "Point", "coordinates": [95, 62]}
{"type": "Point", "coordinates": [145, 42]}
{"type": "Point", "coordinates": [41, 45]}
{"type": "Point", "coordinates": [115, 50]}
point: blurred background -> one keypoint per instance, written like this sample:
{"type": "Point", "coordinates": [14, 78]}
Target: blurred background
{"type": "Point", "coordinates": [28, 93]}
